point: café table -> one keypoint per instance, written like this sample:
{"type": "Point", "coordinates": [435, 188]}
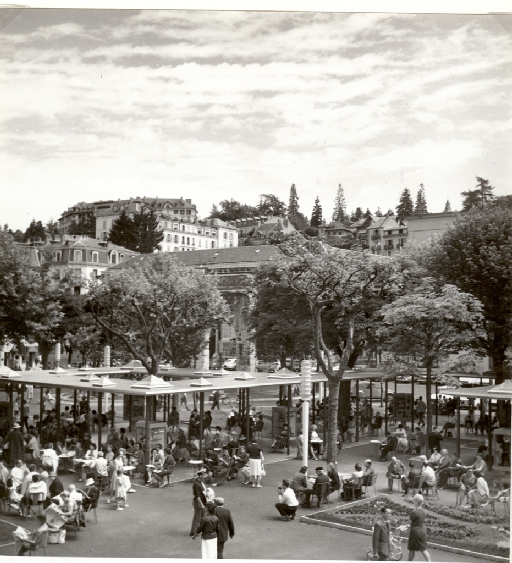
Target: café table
{"type": "Point", "coordinates": [67, 460]}
{"type": "Point", "coordinates": [196, 466]}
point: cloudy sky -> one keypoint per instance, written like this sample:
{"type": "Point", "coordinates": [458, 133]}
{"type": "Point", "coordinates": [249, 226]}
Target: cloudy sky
{"type": "Point", "coordinates": [99, 104]}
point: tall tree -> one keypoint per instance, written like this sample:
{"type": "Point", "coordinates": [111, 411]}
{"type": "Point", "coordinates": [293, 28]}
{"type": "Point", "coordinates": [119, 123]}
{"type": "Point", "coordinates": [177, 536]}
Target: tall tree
{"type": "Point", "coordinates": [299, 221]}
{"type": "Point", "coordinates": [52, 228]}
{"type": "Point", "coordinates": [147, 233]}
{"type": "Point", "coordinates": [149, 307]}
{"type": "Point", "coordinates": [333, 281]}
{"type": "Point", "coordinates": [503, 201]}
{"type": "Point", "coordinates": [35, 231]}
{"type": "Point", "coordinates": [84, 227]}
{"type": "Point", "coordinates": [293, 202]}
{"type": "Point", "coordinates": [478, 197]}
{"type": "Point", "coordinates": [340, 206]}
{"type": "Point", "coordinates": [378, 213]}
{"type": "Point", "coordinates": [231, 210]}
{"type": "Point", "coordinates": [476, 256]}
{"type": "Point", "coordinates": [271, 205]}
{"type": "Point", "coordinates": [356, 215]}
{"type": "Point", "coordinates": [421, 202]}
{"type": "Point", "coordinates": [430, 323]}
{"type": "Point", "coordinates": [122, 231]}
{"type": "Point", "coordinates": [316, 216]}
{"type": "Point", "coordinates": [405, 205]}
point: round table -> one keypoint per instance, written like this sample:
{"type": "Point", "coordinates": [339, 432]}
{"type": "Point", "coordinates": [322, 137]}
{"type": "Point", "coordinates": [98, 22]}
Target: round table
{"type": "Point", "coordinates": [196, 465]}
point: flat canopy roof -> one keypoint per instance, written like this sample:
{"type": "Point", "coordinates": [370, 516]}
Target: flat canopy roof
{"type": "Point", "coordinates": [71, 380]}
{"type": "Point", "coordinates": [479, 393]}
{"type": "Point", "coordinates": [471, 375]}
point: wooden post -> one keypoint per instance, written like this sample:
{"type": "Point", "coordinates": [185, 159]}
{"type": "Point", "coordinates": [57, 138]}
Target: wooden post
{"type": "Point", "coordinates": [100, 411]}
{"type": "Point", "coordinates": [313, 403]}
{"type": "Point", "coordinates": [326, 417]}
{"type": "Point", "coordinates": [395, 384]}
{"type": "Point", "coordinates": [458, 424]}
{"type": "Point", "coordinates": [88, 402]}
{"type": "Point", "coordinates": [22, 406]}
{"type": "Point", "coordinates": [201, 414]}
{"type": "Point", "coordinates": [147, 446]}
{"type": "Point", "coordinates": [289, 406]}
{"type": "Point", "coordinates": [357, 410]}
{"type": "Point", "coordinates": [74, 403]}
{"type": "Point", "coordinates": [11, 405]}
{"type": "Point", "coordinates": [41, 412]}
{"type": "Point", "coordinates": [371, 401]}
{"type": "Point", "coordinates": [437, 402]}
{"type": "Point", "coordinates": [490, 452]}
{"type": "Point", "coordinates": [113, 406]}
{"type": "Point", "coordinates": [412, 404]}
{"type": "Point", "coordinates": [57, 408]}
{"type": "Point", "coordinates": [386, 407]}
{"type": "Point", "coordinates": [130, 413]}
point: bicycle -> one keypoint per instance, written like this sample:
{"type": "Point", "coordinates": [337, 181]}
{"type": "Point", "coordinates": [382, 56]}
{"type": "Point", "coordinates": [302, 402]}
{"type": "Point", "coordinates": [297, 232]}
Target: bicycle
{"type": "Point", "coordinates": [395, 546]}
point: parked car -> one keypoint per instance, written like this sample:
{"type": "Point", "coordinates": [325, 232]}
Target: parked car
{"type": "Point", "coordinates": [230, 364]}
{"type": "Point", "coordinates": [403, 378]}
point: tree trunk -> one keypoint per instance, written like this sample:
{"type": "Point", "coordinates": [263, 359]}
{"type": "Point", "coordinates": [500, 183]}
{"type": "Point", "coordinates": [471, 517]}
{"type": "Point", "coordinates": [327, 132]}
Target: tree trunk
{"type": "Point", "coordinates": [343, 398]}
{"type": "Point", "coordinates": [428, 392]}
{"type": "Point", "coordinates": [498, 362]}
{"type": "Point", "coordinates": [45, 350]}
{"type": "Point", "coordinates": [332, 425]}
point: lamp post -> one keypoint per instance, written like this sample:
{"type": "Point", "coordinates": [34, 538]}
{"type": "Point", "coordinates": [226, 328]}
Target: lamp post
{"type": "Point", "coordinates": [305, 392]}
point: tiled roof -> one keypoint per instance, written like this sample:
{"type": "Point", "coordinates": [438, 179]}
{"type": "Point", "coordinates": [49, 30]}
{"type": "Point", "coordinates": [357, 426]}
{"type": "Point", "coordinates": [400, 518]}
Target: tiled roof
{"type": "Point", "coordinates": [90, 243]}
{"type": "Point", "coordinates": [214, 256]}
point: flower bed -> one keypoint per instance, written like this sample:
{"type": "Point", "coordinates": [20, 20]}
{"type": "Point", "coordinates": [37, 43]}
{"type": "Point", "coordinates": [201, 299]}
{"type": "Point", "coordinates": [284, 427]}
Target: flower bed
{"type": "Point", "coordinates": [443, 524]}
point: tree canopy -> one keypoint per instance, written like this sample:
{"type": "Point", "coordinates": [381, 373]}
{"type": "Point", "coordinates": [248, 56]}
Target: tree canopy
{"type": "Point", "coordinates": [140, 233]}
{"type": "Point", "coordinates": [271, 205]}
{"type": "Point", "coordinates": [340, 206]}
{"type": "Point", "coordinates": [152, 307]}
{"type": "Point", "coordinates": [231, 210]}
{"type": "Point", "coordinates": [420, 208]}
{"type": "Point", "coordinates": [405, 206]}
{"type": "Point", "coordinates": [293, 202]}
{"type": "Point", "coordinates": [479, 197]}
{"type": "Point", "coordinates": [316, 216]}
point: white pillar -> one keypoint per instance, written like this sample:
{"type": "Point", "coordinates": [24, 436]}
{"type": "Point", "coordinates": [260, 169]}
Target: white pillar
{"type": "Point", "coordinates": [305, 391]}
{"type": "Point", "coordinates": [57, 355]}
{"type": "Point", "coordinates": [203, 363]}
{"type": "Point", "coordinates": [106, 356]}
{"type": "Point", "coordinates": [252, 358]}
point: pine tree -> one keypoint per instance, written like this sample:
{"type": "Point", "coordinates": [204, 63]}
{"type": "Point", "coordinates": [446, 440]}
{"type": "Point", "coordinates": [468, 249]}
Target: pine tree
{"type": "Point", "coordinates": [316, 216]}
{"type": "Point", "coordinates": [293, 203]}
{"type": "Point", "coordinates": [378, 213]}
{"type": "Point", "coordinates": [421, 202]}
{"type": "Point", "coordinates": [35, 231]}
{"type": "Point", "coordinates": [148, 235]}
{"type": "Point", "coordinates": [340, 206]}
{"type": "Point", "coordinates": [356, 215]}
{"type": "Point", "coordinates": [122, 231]}
{"type": "Point", "coordinates": [405, 206]}
{"type": "Point", "coordinates": [368, 213]}
{"type": "Point", "coordinates": [478, 197]}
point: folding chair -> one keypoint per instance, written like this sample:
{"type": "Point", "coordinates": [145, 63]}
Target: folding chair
{"type": "Point", "coordinates": [75, 523]}
{"type": "Point", "coordinates": [322, 493]}
{"type": "Point", "coordinates": [40, 543]}
{"type": "Point", "coordinates": [367, 483]}
{"type": "Point", "coordinates": [34, 504]}
{"type": "Point", "coordinates": [356, 485]}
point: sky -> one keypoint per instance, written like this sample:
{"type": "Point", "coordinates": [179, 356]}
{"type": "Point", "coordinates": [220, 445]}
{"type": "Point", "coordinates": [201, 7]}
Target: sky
{"type": "Point", "coordinates": [209, 105]}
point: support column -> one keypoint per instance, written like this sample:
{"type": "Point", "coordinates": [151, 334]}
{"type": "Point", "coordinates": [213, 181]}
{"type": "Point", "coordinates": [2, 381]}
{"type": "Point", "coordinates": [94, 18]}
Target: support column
{"type": "Point", "coordinates": [437, 402]}
{"type": "Point", "coordinates": [305, 396]}
{"type": "Point", "coordinates": [326, 418]}
{"type": "Point", "coordinates": [247, 419]}
{"type": "Point", "coordinates": [490, 451]}
{"type": "Point", "coordinates": [100, 412]}
{"type": "Point", "coordinates": [106, 356]}
{"type": "Point", "coordinates": [201, 415]}
{"type": "Point", "coordinates": [412, 404]}
{"type": "Point", "coordinates": [11, 405]}
{"type": "Point", "coordinates": [22, 406]}
{"type": "Point", "coordinates": [41, 412]}
{"type": "Point", "coordinates": [113, 406]}
{"type": "Point", "coordinates": [458, 424]}
{"type": "Point", "coordinates": [289, 406]}
{"type": "Point", "coordinates": [147, 445]}
{"type": "Point", "coordinates": [313, 415]}
{"type": "Point", "coordinates": [130, 413]}
{"type": "Point", "coordinates": [57, 408]}
{"type": "Point", "coordinates": [74, 403]}
{"type": "Point", "coordinates": [371, 401]}
{"type": "Point", "coordinates": [386, 407]}
{"type": "Point", "coordinates": [357, 410]}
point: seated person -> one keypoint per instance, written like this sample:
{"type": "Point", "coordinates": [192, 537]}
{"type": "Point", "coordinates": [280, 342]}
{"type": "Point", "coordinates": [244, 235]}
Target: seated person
{"type": "Point", "coordinates": [376, 424]}
{"type": "Point", "coordinates": [482, 424]}
{"type": "Point", "coordinates": [469, 422]}
{"type": "Point", "coordinates": [300, 480]}
{"type": "Point", "coordinates": [238, 461]}
{"type": "Point", "coordinates": [222, 469]}
{"type": "Point", "coordinates": [30, 539]}
{"type": "Point", "coordinates": [453, 469]}
{"type": "Point", "coordinates": [428, 476]}
{"type": "Point", "coordinates": [449, 425]}
{"type": "Point", "coordinates": [479, 465]}
{"type": "Point", "coordinates": [479, 495]}
{"type": "Point", "coordinates": [18, 473]}
{"type": "Point", "coordinates": [35, 487]}
{"type": "Point", "coordinates": [315, 442]}
{"type": "Point", "coordinates": [287, 505]}
{"type": "Point", "coordinates": [414, 443]}
{"type": "Point", "coordinates": [435, 458]}
{"type": "Point", "coordinates": [388, 446]}
{"type": "Point", "coordinates": [137, 459]}
{"type": "Point", "coordinates": [396, 469]}
{"type": "Point", "coordinates": [49, 458]}
{"type": "Point", "coordinates": [167, 468]}
{"type": "Point", "coordinates": [351, 428]}
{"type": "Point", "coordinates": [67, 508]}
{"type": "Point", "coordinates": [210, 459]}
{"type": "Point", "coordinates": [353, 482]}
{"type": "Point", "coordinates": [401, 435]}
{"type": "Point", "coordinates": [365, 423]}
{"type": "Point", "coordinates": [504, 451]}
{"type": "Point", "coordinates": [15, 498]}
{"type": "Point", "coordinates": [368, 472]}
{"type": "Point", "coordinates": [321, 477]}
{"type": "Point", "coordinates": [89, 461]}
{"type": "Point", "coordinates": [90, 495]}
{"type": "Point", "coordinates": [332, 473]}
{"type": "Point", "coordinates": [467, 483]}
{"type": "Point", "coordinates": [258, 426]}
{"type": "Point", "coordinates": [412, 480]}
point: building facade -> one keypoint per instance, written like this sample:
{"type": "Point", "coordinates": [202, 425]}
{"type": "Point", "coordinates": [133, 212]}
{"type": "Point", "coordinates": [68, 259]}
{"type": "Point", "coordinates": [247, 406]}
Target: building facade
{"type": "Point", "coordinates": [422, 228]}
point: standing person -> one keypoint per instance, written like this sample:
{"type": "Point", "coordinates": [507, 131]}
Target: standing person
{"type": "Point", "coordinates": [288, 503]}
{"type": "Point", "coordinates": [208, 528]}
{"type": "Point", "coordinates": [381, 530]}
{"type": "Point", "coordinates": [421, 409]}
{"type": "Point", "coordinates": [15, 444]}
{"type": "Point", "coordinates": [434, 440]}
{"type": "Point", "coordinates": [183, 400]}
{"type": "Point", "coordinates": [418, 534]}
{"type": "Point", "coordinates": [216, 400]}
{"type": "Point", "coordinates": [226, 526]}
{"type": "Point", "coordinates": [255, 463]}
{"type": "Point", "coordinates": [24, 415]}
{"type": "Point", "coordinates": [199, 500]}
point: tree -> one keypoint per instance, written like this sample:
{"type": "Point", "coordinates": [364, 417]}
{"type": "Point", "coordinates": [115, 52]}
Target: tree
{"type": "Point", "coordinates": [479, 197]}
{"type": "Point", "coordinates": [356, 215]}
{"type": "Point", "coordinates": [476, 256]}
{"type": "Point", "coordinates": [86, 338]}
{"type": "Point", "coordinates": [503, 201]}
{"type": "Point", "coordinates": [405, 205]}
{"type": "Point", "coordinates": [299, 221]}
{"type": "Point", "coordinates": [86, 226]}
{"type": "Point", "coordinates": [429, 323]}
{"type": "Point", "coordinates": [316, 216]}
{"type": "Point", "coordinates": [122, 231]}
{"type": "Point", "coordinates": [334, 282]}
{"type": "Point", "coordinates": [340, 206]}
{"type": "Point", "coordinates": [271, 205]}
{"type": "Point", "coordinates": [150, 307]}
{"type": "Point", "coordinates": [293, 203]}
{"type": "Point", "coordinates": [378, 213]}
{"type": "Point", "coordinates": [147, 233]}
{"type": "Point", "coordinates": [231, 210]}
{"type": "Point", "coordinates": [281, 321]}
{"type": "Point", "coordinates": [16, 235]}
{"type": "Point", "coordinates": [35, 231]}
{"type": "Point", "coordinates": [421, 202]}
{"type": "Point", "coordinates": [52, 228]}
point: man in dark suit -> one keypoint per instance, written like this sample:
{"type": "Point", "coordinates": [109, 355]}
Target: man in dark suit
{"type": "Point", "coordinates": [381, 536]}
{"type": "Point", "coordinates": [321, 477]}
{"type": "Point", "coordinates": [226, 526]}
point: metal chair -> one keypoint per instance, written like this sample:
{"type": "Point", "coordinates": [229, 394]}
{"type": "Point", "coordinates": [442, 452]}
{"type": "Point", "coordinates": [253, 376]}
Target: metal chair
{"type": "Point", "coordinates": [40, 543]}
{"type": "Point", "coordinates": [350, 491]}
{"type": "Point", "coordinates": [322, 493]}
{"type": "Point", "coordinates": [371, 481]}
{"type": "Point", "coordinates": [34, 504]}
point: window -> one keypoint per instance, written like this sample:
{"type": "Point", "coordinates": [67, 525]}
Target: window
{"type": "Point", "coordinates": [77, 256]}
{"type": "Point", "coordinates": [182, 227]}
{"type": "Point", "coordinates": [176, 212]}
{"type": "Point", "coordinates": [188, 240]}
{"type": "Point", "coordinates": [193, 242]}
{"type": "Point", "coordinates": [230, 236]}
{"type": "Point", "coordinates": [121, 258]}
{"type": "Point", "coordinates": [94, 274]}
{"type": "Point", "coordinates": [168, 239]}
{"type": "Point", "coordinates": [400, 231]}
{"type": "Point", "coordinates": [389, 252]}
{"type": "Point", "coordinates": [182, 240]}
{"type": "Point", "coordinates": [199, 242]}
{"type": "Point", "coordinates": [104, 225]}
{"type": "Point", "coordinates": [226, 235]}
{"type": "Point", "coordinates": [199, 231]}
{"type": "Point", "coordinates": [207, 232]}
{"type": "Point", "coordinates": [176, 227]}
{"type": "Point", "coordinates": [58, 256]}
{"type": "Point", "coordinates": [182, 212]}
{"type": "Point", "coordinates": [113, 257]}
{"type": "Point", "coordinates": [213, 244]}
{"type": "Point", "coordinates": [176, 239]}
{"type": "Point", "coordinates": [188, 211]}
{"type": "Point", "coordinates": [168, 249]}
{"type": "Point", "coordinates": [95, 257]}
{"type": "Point", "coordinates": [225, 244]}
{"type": "Point", "coordinates": [231, 245]}
{"type": "Point", "coordinates": [176, 249]}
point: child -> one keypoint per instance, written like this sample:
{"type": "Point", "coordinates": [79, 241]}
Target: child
{"type": "Point", "coordinates": [120, 489]}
